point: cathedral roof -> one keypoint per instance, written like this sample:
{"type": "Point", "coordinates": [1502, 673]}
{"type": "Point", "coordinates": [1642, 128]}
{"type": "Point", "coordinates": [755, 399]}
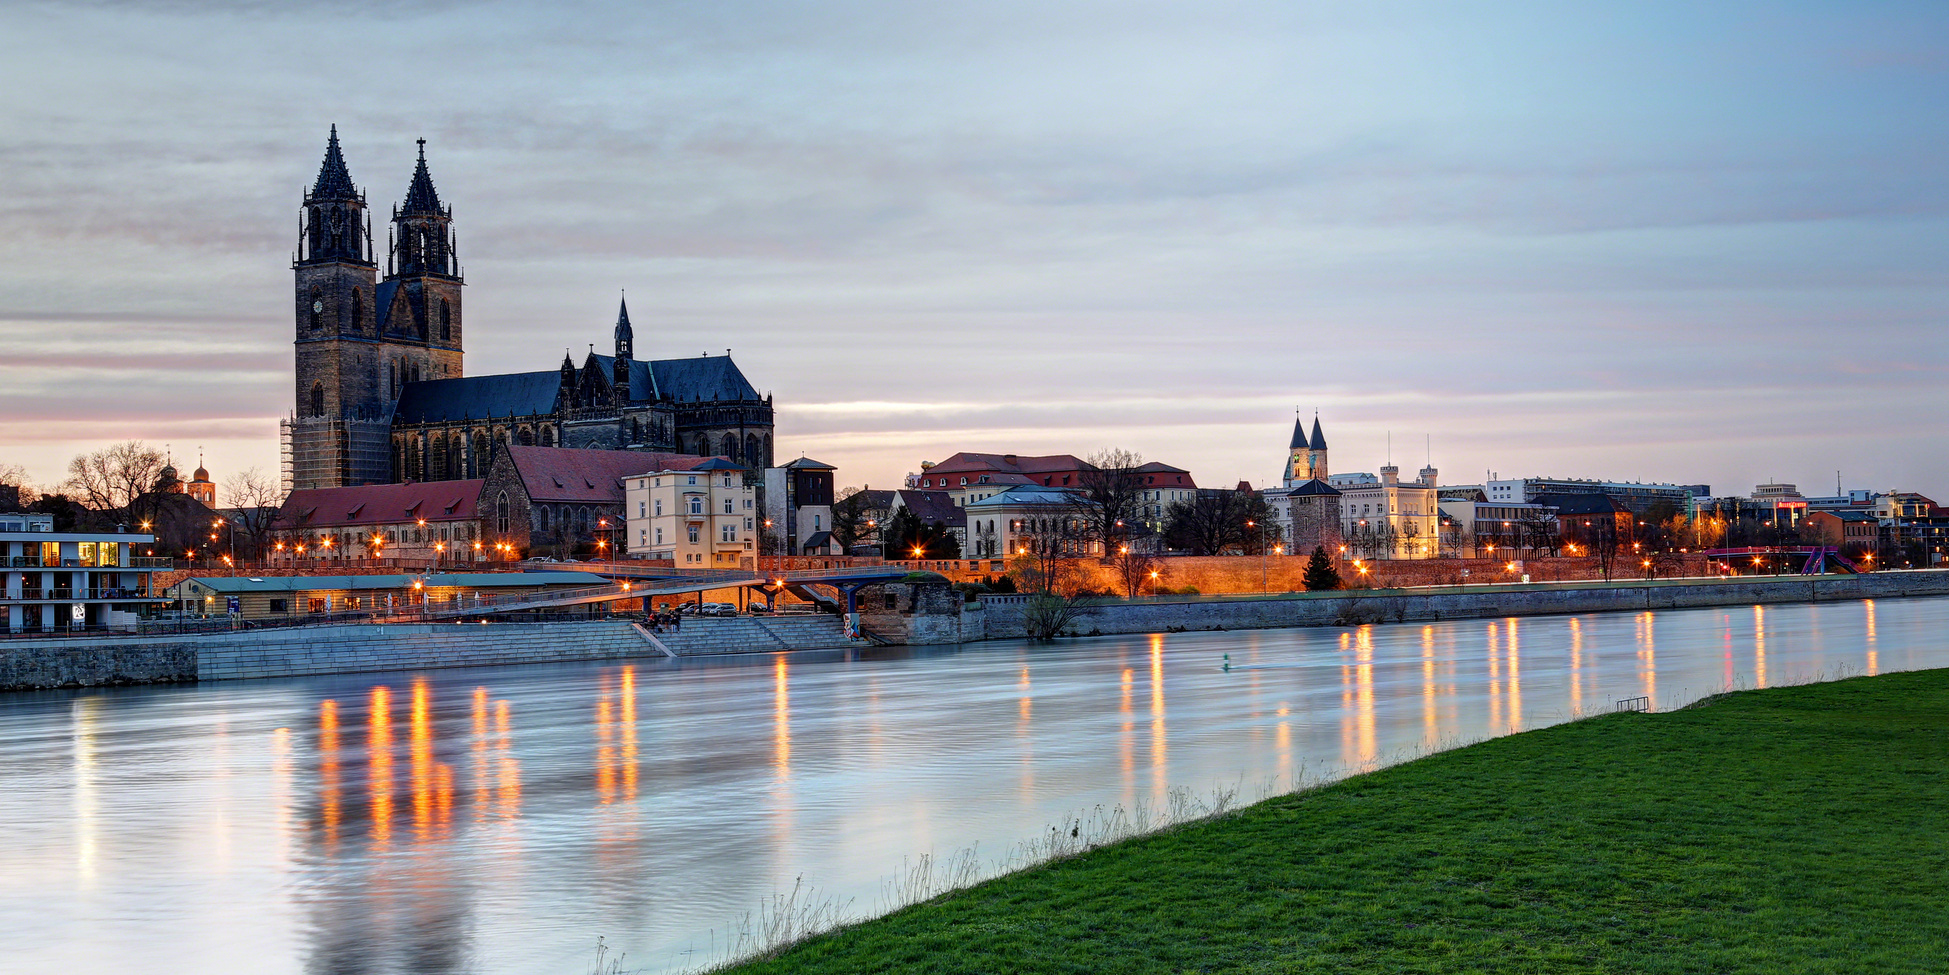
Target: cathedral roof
{"type": "Point", "coordinates": [624, 334]}
{"type": "Point", "coordinates": [474, 397]}
{"type": "Point", "coordinates": [334, 182]}
{"type": "Point", "coordinates": [703, 379]}
{"type": "Point", "coordinates": [420, 195]}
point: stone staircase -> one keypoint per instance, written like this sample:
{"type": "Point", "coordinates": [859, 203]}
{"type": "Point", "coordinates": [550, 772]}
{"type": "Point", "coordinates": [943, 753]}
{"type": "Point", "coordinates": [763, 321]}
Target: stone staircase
{"type": "Point", "coordinates": [754, 634]}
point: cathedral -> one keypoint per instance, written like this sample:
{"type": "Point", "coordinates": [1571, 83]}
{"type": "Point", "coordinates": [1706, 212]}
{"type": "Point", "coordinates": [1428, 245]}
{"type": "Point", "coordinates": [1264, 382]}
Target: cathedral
{"type": "Point", "coordinates": [381, 395]}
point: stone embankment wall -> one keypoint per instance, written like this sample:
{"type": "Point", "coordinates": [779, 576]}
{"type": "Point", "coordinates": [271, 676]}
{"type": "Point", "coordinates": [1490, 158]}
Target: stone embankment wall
{"type": "Point", "coordinates": [356, 648]}
{"type": "Point", "coordinates": [1003, 616]}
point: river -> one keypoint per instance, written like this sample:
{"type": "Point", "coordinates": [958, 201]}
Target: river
{"type": "Point", "coordinates": [499, 820]}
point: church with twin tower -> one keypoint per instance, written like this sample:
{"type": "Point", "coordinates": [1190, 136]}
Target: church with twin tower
{"type": "Point", "coordinates": [381, 395]}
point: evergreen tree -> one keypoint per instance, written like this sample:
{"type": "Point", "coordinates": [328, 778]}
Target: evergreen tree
{"type": "Point", "coordinates": [1319, 571]}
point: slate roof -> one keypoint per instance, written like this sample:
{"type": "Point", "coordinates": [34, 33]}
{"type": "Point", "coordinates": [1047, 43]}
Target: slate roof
{"type": "Point", "coordinates": [334, 181]}
{"type": "Point", "coordinates": [476, 397]}
{"type": "Point", "coordinates": [1313, 487]}
{"type": "Point", "coordinates": [589, 476]}
{"type": "Point", "coordinates": [808, 464]}
{"type": "Point", "coordinates": [1028, 494]}
{"type": "Point", "coordinates": [1581, 504]}
{"type": "Point", "coordinates": [703, 379]}
{"type": "Point", "coordinates": [420, 195]}
{"type": "Point", "coordinates": [1319, 439]}
{"type": "Point", "coordinates": [718, 464]}
{"type": "Point", "coordinates": [933, 507]}
{"type": "Point", "coordinates": [379, 504]}
{"type": "Point", "coordinates": [875, 500]}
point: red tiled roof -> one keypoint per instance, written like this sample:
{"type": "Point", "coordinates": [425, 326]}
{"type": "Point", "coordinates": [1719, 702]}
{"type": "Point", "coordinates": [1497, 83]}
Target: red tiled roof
{"type": "Point", "coordinates": [379, 504]}
{"type": "Point", "coordinates": [971, 461]}
{"type": "Point", "coordinates": [569, 474]}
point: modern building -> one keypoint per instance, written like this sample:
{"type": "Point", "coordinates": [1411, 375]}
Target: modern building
{"type": "Point", "coordinates": [380, 392]}
{"type": "Point", "coordinates": [702, 516]}
{"type": "Point", "coordinates": [1636, 497]}
{"type": "Point", "coordinates": [1481, 529]}
{"type": "Point", "coordinates": [62, 581]}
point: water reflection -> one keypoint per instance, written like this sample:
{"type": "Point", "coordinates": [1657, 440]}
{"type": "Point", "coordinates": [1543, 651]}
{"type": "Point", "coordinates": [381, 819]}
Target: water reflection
{"type": "Point", "coordinates": [654, 802]}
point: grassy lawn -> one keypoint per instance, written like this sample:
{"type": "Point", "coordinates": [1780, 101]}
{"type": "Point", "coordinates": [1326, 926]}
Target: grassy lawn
{"type": "Point", "coordinates": [1802, 829]}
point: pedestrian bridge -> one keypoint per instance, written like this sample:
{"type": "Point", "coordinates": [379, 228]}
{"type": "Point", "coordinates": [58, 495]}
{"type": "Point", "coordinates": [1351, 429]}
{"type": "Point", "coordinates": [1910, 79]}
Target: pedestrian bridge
{"type": "Point", "coordinates": [637, 581]}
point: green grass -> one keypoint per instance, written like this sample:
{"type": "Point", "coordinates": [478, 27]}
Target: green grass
{"type": "Point", "coordinates": [1802, 829]}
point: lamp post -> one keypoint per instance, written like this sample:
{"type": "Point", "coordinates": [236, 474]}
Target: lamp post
{"type": "Point", "coordinates": [1264, 585]}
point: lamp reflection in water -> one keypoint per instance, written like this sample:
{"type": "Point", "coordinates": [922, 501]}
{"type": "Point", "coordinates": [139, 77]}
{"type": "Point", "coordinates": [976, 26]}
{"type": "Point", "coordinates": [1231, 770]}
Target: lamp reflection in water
{"type": "Point", "coordinates": [1025, 736]}
{"type": "Point", "coordinates": [781, 734]}
{"type": "Point", "coordinates": [84, 716]}
{"type": "Point", "coordinates": [379, 760]}
{"type": "Point", "coordinates": [1576, 665]}
{"type": "Point", "coordinates": [1126, 738]}
{"type": "Point", "coordinates": [1515, 661]}
{"type": "Point", "coordinates": [1647, 626]}
{"type": "Point", "coordinates": [1759, 645]}
{"type": "Point", "coordinates": [1874, 661]}
{"type": "Point", "coordinates": [1159, 744]}
{"type": "Point", "coordinates": [328, 771]}
{"type": "Point", "coordinates": [1494, 656]}
{"type": "Point", "coordinates": [1430, 726]}
{"type": "Point", "coordinates": [1357, 699]}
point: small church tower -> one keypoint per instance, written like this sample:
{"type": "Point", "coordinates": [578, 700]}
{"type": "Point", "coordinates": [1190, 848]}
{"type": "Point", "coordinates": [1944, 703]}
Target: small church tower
{"type": "Point", "coordinates": [1306, 455]}
{"type": "Point", "coordinates": [421, 291]}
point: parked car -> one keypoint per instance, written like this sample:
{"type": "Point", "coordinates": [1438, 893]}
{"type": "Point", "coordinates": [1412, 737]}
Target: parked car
{"type": "Point", "coordinates": [717, 609]}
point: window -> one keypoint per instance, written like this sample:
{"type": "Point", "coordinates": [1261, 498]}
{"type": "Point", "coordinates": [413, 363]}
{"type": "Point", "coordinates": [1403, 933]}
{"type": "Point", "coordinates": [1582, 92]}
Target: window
{"type": "Point", "coordinates": [696, 506]}
{"type": "Point", "coordinates": [693, 479]}
{"type": "Point", "coordinates": [358, 310]}
{"type": "Point", "coordinates": [317, 399]}
{"type": "Point", "coordinates": [659, 536]}
{"type": "Point", "coordinates": [659, 507]}
{"type": "Point", "coordinates": [729, 533]}
{"type": "Point", "coordinates": [727, 480]}
{"type": "Point", "coordinates": [747, 524]}
{"type": "Point", "coordinates": [815, 523]}
{"type": "Point", "coordinates": [446, 322]}
{"type": "Point", "coordinates": [501, 512]}
{"type": "Point", "coordinates": [693, 534]}
{"type": "Point", "coordinates": [727, 506]}
{"type": "Point", "coordinates": [280, 605]}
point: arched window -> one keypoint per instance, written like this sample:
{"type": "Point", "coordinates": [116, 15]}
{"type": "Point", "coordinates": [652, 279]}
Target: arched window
{"type": "Point", "coordinates": [730, 445]}
{"type": "Point", "coordinates": [527, 436]}
{"type": "Point", "coordinates": [314, 307]}
{"type": "Point", "coordinates": [501, 513]}
{"type": "Point", "coordinates": [766, 460]}
{"type": "Point", "coordinates": [477, 464]}
{"type": "Point", "coordinates": [317, 399]}
{"type": "Point", "coordinates": [446, 322]}
{"type": "Point", "coordinates": [751, 457]}
{"type": "Point", "coordinates": [541, 517]}
{"type": "Point", "coordinates": [439, 471]}
{"type": "Point", "coordinates": [358, 311]}
{"type": "Point", "coordinates": [548, 436]}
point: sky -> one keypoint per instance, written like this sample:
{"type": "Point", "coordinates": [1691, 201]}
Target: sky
{"type": "Point", "coordinates": [1696, 243]}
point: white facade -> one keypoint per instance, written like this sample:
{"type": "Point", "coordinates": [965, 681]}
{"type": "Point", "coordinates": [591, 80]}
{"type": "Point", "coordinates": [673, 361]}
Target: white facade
{"type": "Point", "coordinates": [55, 581]}
{"type": "Point", "coordinates": [702, 518]}
{"type": "Point", "coordinates": [1386, 518]}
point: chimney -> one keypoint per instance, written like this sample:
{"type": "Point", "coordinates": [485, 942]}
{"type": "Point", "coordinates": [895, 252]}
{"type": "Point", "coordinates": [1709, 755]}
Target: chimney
{"type": "Point", "coordinates": [1008, 459]}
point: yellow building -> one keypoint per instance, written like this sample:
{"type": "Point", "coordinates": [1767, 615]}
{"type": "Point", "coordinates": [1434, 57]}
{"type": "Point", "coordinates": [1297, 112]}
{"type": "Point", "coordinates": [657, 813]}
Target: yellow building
{"type": "Point", "coordinates": [705, 516]}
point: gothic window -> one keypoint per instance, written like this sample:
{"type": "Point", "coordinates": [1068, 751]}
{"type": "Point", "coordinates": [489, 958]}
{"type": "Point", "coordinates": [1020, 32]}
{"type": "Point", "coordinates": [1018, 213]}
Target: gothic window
{"type": "Point", "coordinates": [358, 311]}
{"type": "Point", "coordinates": [767, 458]}
{"type": "Point", "coordinates": [477, 464]}
{"type": "Point", "coordinates": [501, 513]}
{"type": "Point", "coordinates": [541, 517]}
{"type": "Point", "coordinates": [751, 457]}
{"type": "Point", "coordinates": [730, 445]}
{"type": "Point", "coordinates": [527, 436]}
{"type": "Point", "coordinates": [446, 322]}
{"type": "Point", "coordinates": [548, 436]}
{"type": "Point", "coordinates": [317, 399]}
{"type": "Point", "coordinates": [314, 307]}
{"type": "Point", "coordinates": [439, 471]}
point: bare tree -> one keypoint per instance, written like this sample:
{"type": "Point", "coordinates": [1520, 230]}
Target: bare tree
{"type": "Point", "coordinates": [255, 499]}
{"type": "Point", "coordinates": [122, 481]}
{"type": "Point", "coordinates": [1136, 565]}
{"type": "Point", "coordinates": [852, 520]}
{"type": "Point", "coordinates": [1107, 497]}
{"type": "Point", "coordinates": [1050, 572]}
{"type": "Point", "coordinates": [13, 482]}
{"type": "Point", "coordinates": [1216, 522]}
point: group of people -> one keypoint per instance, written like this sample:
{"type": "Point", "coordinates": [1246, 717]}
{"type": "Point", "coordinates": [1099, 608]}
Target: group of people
{"type": "Point", "coordinates": [659, 620]}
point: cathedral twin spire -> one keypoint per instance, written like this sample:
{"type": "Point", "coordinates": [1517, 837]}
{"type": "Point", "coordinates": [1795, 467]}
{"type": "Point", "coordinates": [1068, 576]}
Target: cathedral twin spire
{"type": "Point", "coordinates": [422, 239]}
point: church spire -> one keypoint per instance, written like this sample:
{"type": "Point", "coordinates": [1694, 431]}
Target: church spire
{"type": "Point", "coordinates": [1319, 439]}
{"type": "Point", "coordinates": [625, 336]}
{"type": "Point", "coordinates": [334, 180]}
{"type": "Point", "coordinates": [421, 197]}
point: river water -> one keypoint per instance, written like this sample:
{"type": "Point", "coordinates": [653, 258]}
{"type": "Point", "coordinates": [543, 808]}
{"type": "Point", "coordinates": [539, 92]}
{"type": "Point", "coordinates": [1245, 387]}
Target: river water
{"type": "Point", "coordinates": [500, 820]}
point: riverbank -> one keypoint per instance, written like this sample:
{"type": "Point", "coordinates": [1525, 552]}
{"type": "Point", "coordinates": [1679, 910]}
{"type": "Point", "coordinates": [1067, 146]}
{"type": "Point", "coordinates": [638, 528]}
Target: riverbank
{"type": "Point", "coordinates": [1798, 829]}
{"type": "Point", "coordinates": [1003, 617]}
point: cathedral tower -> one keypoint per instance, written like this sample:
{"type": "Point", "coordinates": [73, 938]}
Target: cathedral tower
{"type": "Point", "coordinates": [337, 413]}
{"type": "Point", "coordinates": [420, 296]}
